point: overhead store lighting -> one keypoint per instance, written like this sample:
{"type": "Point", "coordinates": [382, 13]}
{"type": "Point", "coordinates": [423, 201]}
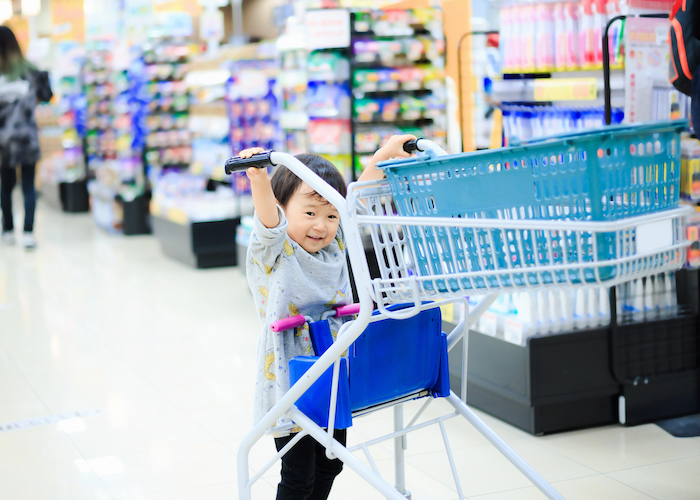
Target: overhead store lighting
{"type": "Point", "coordinates": [5, 10]}
{"type": "Point", "coordinates": [31, 7]}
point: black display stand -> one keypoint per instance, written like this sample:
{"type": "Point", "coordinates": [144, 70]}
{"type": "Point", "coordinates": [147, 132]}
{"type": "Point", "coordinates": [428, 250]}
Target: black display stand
{"type": "Point", "coordinates": [658, 362]}
{"type": "Point", "coordinates": [198, 244]}
{"type": "Point", "coordinates": [67, 196]}
{"type": "Point", "coordinates": [136, 215]}
{"type": "Point", "coordinates": [552, 384]}
{"type": "Point", "coordinates": [74, 196]}
{"type": "Point", "coordinates": [632, 373]}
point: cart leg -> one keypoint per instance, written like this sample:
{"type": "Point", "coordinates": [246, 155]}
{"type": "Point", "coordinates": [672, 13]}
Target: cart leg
{"type": "Point", "coordinates": [399, 448]}
{"type": "Point", "coordinates": [346, 457]}
{"type": "Point", "coordinates": [506, 450]}
{"type": "Point", "coordinates": [244, 488]}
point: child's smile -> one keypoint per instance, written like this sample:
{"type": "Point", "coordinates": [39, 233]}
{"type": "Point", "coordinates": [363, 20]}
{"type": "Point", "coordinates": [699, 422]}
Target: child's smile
{"type": "Point", "coordinates": [312, 221]}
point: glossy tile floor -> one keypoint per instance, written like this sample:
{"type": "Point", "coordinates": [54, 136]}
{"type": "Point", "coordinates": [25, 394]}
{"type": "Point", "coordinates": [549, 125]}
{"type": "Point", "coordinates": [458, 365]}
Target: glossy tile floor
{"type": "Point", "coordinates": [126, 375]}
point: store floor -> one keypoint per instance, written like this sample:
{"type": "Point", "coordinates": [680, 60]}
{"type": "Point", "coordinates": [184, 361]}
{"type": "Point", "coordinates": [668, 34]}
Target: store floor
{"type": "Point", "coordinates": [126, 375]}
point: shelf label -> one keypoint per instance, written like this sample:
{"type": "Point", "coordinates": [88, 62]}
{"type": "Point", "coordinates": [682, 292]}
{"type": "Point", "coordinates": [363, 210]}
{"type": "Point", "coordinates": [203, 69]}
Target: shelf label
{"type": "Point", "coordinates": [566, 89]}
{"type": "Point", "coordinates": [327, 29]}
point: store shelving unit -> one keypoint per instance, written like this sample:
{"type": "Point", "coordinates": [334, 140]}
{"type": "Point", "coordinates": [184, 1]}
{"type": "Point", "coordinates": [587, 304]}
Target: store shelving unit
{"type": "Point", "coordinates": [630, 370]}
{"type": "Point", "coordinates": [62, 172]}
{"type": "Point", "coordinates": [114, 156]}
{"type": "Point", "coordinates": [641, 365]}
{"type": "Point", "coordinates": [167, 142]}
{"type": "Point", "coordinates": [396, 78]}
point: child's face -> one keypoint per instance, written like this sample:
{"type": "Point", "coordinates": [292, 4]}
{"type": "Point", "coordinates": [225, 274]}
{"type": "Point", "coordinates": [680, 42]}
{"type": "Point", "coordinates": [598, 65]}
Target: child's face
{"type": "Point", "coordinates": [312, 221]}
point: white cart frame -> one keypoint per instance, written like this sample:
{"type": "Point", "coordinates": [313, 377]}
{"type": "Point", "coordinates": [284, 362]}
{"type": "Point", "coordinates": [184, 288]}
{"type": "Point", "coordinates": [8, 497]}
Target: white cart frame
{"type": "Point", "coordinates": [399, 284]}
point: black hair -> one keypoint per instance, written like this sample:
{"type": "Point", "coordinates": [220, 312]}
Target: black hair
{"type": "Point", "coordinates": [11, 58]}
{"type": "Point", "coordinates": [285, 183]}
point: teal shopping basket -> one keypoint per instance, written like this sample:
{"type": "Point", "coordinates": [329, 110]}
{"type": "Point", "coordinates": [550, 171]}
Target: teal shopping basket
{"type": "Point", "coordinates": [602, 175]}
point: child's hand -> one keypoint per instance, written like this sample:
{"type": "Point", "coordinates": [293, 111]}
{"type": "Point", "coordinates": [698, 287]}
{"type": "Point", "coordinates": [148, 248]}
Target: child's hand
{"type": "Point", "coordinates": [255, 174]}
{"type": "Point", "coordinates": [393, 148]}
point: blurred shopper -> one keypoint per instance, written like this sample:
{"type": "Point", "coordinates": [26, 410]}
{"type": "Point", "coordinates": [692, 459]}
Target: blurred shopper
{"type": "Point", "coordinates": [21, 86]}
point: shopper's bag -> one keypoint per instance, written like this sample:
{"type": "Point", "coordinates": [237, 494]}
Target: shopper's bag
{"type": "Point", "coordinates": [684, 45]}
{"type": "Point", "coordinates": [43, 86]}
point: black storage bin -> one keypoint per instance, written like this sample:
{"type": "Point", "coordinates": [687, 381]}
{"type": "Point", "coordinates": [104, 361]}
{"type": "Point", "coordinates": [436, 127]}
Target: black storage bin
{"type": "Point", "coordinates": [198, 244]}
{"type": "Point", "coordinates": [657, 362]}
{"type": "Point", "coordinates": [74, 196]}
{"type": "Point", "coordinates": [136, 216]}
{"type": "Point", "coordinates": [552, 384]}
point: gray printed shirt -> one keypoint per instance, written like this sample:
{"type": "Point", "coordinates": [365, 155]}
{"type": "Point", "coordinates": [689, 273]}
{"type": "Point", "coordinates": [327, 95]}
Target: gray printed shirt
{"type": "Point", "coordinates": [286, 280]}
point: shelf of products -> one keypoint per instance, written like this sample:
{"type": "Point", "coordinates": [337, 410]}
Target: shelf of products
{"type": "Point", "coordinates": [61, 129]}
{"type": "Point", "coordinates": [586, 367]}
{"type": "Point", "coordinates": [117, 186]}
{"type": "Point", "coordinates": [167, 101]}
{"type": "Point", "coordinates": [526, 122]}
{"type": "Point", "coordinates": [558, 36]}
{"type": "Point", "coordinates": [397, 78]}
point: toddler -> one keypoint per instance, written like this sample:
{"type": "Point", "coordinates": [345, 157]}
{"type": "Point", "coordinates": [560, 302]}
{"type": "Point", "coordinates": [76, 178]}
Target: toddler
{"type": "Point", "coordinates": [296, 264]}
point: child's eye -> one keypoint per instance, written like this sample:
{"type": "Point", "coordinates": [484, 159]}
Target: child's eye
{"type": "Point", "coordinates": [310, 214]}
{"type": "Point", "coordinates": [332, 216]}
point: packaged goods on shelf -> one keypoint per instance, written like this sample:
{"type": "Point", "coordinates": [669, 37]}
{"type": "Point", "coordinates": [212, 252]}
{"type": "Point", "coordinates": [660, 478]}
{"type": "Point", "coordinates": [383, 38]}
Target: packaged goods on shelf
{"type": "Point", "coordinates": [114, 141]}
{"type": "Point", "coordinates": [398, 78]}
{"type": "Point", "coordinates": [99, 90]}
{"type": "Point", "coordinates": [559, 36]}
{"type": "Point", "coordinates": [327, 67]}
{"type": "Point", "coordinates": [328, 100]}
{"type": "Point", "coordinates": [210, 150]}
{"type": "Point", "coordinates": [516, 317]}
{"type": "Point", "coordinates": [341, 103]}
{"type": "Point", "coordinates": [528, 122]}
{"type": "Point", "coordinates": [647, 299]}
{"type": "Point", "coordinates": [693, 235]}
{"type": "Point", "coordinates": [395, 23]}
{"type": "Point", "coordinates": [690, 169]}
{"type": "Point", "coordinates": [253, 111]}
{"type": "Point", "coordinates": [668, 103]}
{"type": "Point", "coordinates": [329, 136]}
{"type": "Point", "coordinates": [159, 78]}
{"type": "Point", "coordinates": [61, 144]}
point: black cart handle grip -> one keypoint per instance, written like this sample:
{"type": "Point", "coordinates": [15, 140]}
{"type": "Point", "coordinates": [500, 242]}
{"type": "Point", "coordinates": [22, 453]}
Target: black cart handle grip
{"type": "Point", "coordinates": [411, 146]}
{"type": "Point", "coordinates": [237, 164]}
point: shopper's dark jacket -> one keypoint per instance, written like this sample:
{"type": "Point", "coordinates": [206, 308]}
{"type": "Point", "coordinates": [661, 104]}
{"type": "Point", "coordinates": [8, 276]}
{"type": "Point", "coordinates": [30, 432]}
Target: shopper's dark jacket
{"type": "Point", "coordinates": [19, 136]}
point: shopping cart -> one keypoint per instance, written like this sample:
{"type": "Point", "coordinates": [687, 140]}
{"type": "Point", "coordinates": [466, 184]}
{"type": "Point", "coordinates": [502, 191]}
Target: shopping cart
{"type": "Point", "coordinates": [588, 209]}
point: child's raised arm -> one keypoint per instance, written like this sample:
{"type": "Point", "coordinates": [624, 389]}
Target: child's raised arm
{"type": "Point", "coordinates": [392, 149]}
{"type": "Point", "coordinates": [263, 198]}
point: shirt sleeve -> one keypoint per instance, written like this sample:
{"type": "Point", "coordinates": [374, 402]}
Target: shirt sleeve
{"type": "Point", "coordinates": [267, 243]}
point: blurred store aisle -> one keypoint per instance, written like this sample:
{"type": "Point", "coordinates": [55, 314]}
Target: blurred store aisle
{"type": "Point", "coordinates": [126, 375]}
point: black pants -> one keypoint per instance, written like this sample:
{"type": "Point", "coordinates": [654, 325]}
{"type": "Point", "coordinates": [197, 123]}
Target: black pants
{"type": "Point", "coordinates": [307, 474]}
{"type": "Point", "coordinates": [8, 179]}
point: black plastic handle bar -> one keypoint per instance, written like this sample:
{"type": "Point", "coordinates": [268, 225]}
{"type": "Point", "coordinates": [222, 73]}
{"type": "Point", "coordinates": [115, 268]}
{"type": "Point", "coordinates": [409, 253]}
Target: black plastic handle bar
{"type": "Point", "coordinates": [411, 146]}
{"type": "Point", "coordinates": [237, 164]}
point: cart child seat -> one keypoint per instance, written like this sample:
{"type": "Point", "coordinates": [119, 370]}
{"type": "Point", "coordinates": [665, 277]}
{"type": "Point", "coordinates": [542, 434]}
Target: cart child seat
{"type": "Point", "coordinates": [392, 361]}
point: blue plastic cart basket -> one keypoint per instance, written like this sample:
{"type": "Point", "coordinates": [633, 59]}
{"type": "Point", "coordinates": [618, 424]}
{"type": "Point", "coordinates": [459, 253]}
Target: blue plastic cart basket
{"type": "Point", "coordinates": [606, 175]}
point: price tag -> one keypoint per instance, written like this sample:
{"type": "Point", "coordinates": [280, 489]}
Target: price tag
{"type": "Point", "coordinates": [566, 89]}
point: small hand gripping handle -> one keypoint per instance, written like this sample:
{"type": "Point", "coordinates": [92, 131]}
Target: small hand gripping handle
{"type": "Point", "coordinates": [288, 323]}
{"type": "Point", "coordinates": [237, 164]}
{"type": "Point", "coordinates": [411, 146]}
